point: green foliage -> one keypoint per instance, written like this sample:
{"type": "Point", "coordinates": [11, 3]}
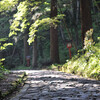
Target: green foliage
{"type": "Point", "coordinates": [42, 24]}
{"type": "Point", "coordinates": [7, 5]}
{"type": "Point", "coordinates": [35, 15]}
{"type": "Point", "coordinates": [3, 47]}
{"type": "Point", "coordinates": [2, 69]}
{"type": "Point", "coordinates": [3, 39]}
{"type": "Point", "coordinates": [96, 2]}
{"type": "Point", "coordinates": [98, 39]}
{"type": "Point", "coordinates": [88, 41]}
{"type": "Point", "coordinates": [88, 64]}
{"type": "Point", "coordinates": [21, 18]}
{"type": "Point", "coordinates": [24, 16]}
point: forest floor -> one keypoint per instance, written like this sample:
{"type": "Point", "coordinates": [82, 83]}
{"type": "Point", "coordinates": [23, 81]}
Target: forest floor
{"type": "Point", "coordinates": [52, 85]}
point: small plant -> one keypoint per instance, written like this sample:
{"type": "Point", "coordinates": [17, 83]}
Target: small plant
{"type": "Point", "coordinates": [86, 64]}
{"type": "Point", "coordinates": [88, 41]}
{"type": "Point", "coordinates": [98, 39]}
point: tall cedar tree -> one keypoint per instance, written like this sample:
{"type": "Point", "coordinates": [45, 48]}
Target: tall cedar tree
{"type": "Point", "coordinates": [26, 45]}
{"type": "Point", "coordinates": [86, 20]}
{"type": "Point", "coordinates": [75, 5]}
{"type": "Point", "coordinates": [54, 49]}
{"type": "Point", "coordinates": [35, 54]}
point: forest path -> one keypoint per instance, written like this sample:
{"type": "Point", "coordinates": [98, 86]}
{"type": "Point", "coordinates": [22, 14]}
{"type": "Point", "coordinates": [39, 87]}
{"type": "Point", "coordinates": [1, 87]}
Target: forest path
{"type": "Point", "coordinates": [54, 85]}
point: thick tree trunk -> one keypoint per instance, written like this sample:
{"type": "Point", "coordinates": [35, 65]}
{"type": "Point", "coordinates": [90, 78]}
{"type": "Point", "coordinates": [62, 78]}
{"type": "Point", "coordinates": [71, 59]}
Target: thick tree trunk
{"type": "Point", "coordinates": [75, 5]}
{"type": "Point", "coordinates": [54, 49]}
{"type": "Point", "coordinates": [26, 46]}
{"type": "Point", "coordinates": [86, 20]}
{"type": "Point", "coordinates": [78, 11]}
{"type": "Point", "coordinates": [40, 52]}
{"type": "Point", "coordinates": [35, 54]}
{"type": "Point", "coordinates": [26, 49]}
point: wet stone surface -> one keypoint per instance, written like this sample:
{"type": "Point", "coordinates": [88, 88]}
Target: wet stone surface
{"type": "Point", "coordinates": [54, 85]}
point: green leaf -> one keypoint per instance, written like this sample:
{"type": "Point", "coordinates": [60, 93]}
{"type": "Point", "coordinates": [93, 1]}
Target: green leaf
{"type": "Point", "coordinates": [3, 39]}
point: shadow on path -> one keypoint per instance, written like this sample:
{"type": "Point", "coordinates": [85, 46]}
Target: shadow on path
{"type": "Point", "coordinates": [54, 85]}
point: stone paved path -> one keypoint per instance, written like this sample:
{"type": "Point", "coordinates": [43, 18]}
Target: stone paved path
{"type": "Point", "coordinates": [54, 85]}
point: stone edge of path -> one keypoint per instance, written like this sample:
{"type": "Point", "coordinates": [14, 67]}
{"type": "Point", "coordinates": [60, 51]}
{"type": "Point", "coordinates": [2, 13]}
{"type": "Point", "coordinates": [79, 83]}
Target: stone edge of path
{"type": "Point", "coordinates": [22, 91]}
{"type": "Point", "coordinates": [17, 82]}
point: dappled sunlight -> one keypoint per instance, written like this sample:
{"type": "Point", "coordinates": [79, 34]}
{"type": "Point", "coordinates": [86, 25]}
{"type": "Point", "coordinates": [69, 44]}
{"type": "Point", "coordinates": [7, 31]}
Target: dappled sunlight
{"type": "Point", "coordinates": [36, 39]}
{"type": "Point", "coordinates": [86, 64]}
{"type": "Point", "coordinates": [58, 85]}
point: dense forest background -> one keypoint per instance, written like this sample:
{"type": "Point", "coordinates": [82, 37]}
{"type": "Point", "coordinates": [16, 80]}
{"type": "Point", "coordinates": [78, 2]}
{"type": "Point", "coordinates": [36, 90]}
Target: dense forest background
{"type": "Point", "coordinates": [40, 30]}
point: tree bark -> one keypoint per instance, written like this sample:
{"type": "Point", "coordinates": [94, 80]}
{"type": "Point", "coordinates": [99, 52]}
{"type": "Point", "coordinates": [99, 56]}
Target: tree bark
{"type": "Point", "coordinates": [40, 51]}
{"type": "Point", "coordinates": [26, 46]}
{"type": "Point", "coordinates": [86, 20]}
{"type": "Point", "coordinates": [75, 5]}
{"type": "Point", "coordinates": [26, 49]}
{"type": "Point", "coordinates": [78, 11]}
{"type": "Point", "coordinates": [54, 49]}
{"type": "Point", "coordinates": [35, 54]}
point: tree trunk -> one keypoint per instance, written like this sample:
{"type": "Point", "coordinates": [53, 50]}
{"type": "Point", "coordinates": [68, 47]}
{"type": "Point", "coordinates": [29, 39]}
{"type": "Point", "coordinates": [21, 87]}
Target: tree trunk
{"type": "Point", "coordinates": [40, 52]}
{"type": "Point", "coordinates": [54, 49]}
{"type": "Point", "coordinates": [35, 54]}
{"type": "Point", "coordinates": [77, 12]}
{"type": "Point", "coordinates": [75, 5]}
{"type": "Point", "coordinates": [86, 20]}
{"type": "Point", "coordinates": [26, 46]}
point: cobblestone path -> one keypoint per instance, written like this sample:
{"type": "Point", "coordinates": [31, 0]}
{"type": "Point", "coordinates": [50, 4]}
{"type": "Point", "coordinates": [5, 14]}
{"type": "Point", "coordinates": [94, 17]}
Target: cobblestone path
{"type": "Point", "coordinates": [54, 85]}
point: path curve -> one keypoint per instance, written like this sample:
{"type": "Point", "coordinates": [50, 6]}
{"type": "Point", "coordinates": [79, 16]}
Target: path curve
{"type": "Point", "coordinates": [54, 85]}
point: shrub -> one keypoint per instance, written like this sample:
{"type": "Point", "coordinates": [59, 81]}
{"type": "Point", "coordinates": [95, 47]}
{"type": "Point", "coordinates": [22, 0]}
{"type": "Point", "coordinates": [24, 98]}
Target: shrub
{"type": "Point", "coordinates": [88, 63]}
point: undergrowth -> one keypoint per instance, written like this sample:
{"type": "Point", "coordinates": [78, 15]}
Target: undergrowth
{"type": "Point", "coordinates": [85, 64]}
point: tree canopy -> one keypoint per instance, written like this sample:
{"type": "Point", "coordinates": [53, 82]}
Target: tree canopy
{"type": "Point", "coordinates": [33, 19]}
